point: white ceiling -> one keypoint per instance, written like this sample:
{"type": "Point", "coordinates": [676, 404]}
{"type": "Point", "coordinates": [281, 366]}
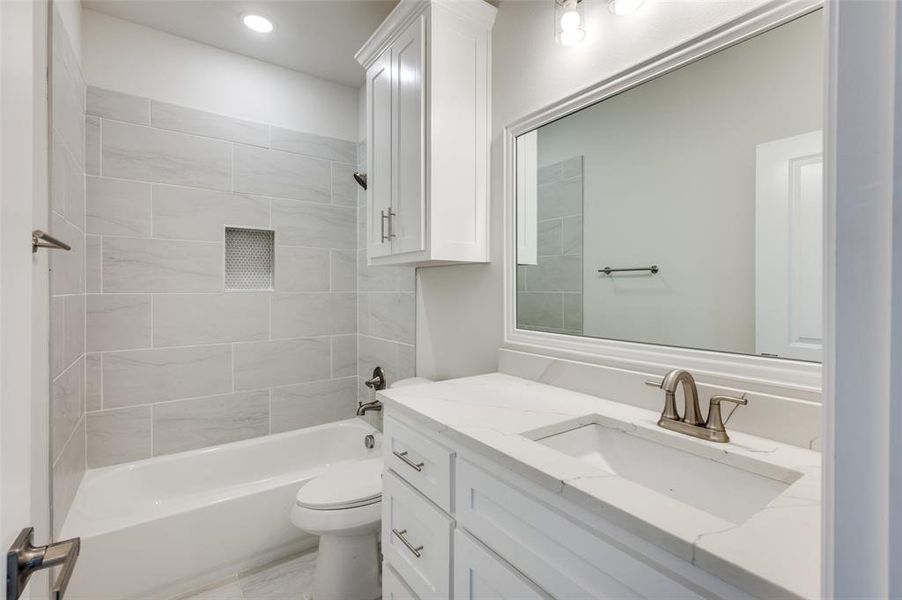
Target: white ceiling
{"type": "Point", "coordinates": [318, 37]}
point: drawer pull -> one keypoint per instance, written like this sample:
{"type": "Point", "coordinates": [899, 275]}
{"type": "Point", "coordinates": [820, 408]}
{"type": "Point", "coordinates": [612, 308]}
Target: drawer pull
{"type": "Point", "coordinates": [416, 550]}
{"type": "Point", "coordinates": [407, 461]}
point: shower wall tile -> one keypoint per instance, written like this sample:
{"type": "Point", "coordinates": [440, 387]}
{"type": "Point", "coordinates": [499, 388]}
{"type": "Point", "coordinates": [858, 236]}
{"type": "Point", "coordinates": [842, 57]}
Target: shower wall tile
{"type": "Point", "coordinates": [573, 312]}
{"type": "Point", "coordinates": [560, 199]}
{"type": "Point", "coordinates": [558, 273]}
{"type": "Point", "coordinates": [314, 145]}
{"type": "Point", "coordinates": [117, 207]}
{"type": "Point", "coordinates": [67, 404]}
{"type": "Point", "coordinates": [281, 174]}
{"type": "Point", "coordinates": [301, 224]}
{"type": "Point", "coordinates": [344, 355]}
{"type": "Point", "coordinates": [67, 268]}
{"type": "Point", "coordinates": [313, 314]}
{"type": "Point", "coordinates": [190, 319]}
{"type": "Point", "coordinates": [392, 316]}
{"type": "Point", "coordinates": [548, 239]}
{"type": "Point", "coordinates": [93, 381]}
{"type": "Point", "coordinates": [158, 156]}
{"type": "Point", "coordinates": [344, 187]}
{"type": "Point", "coordinates": [344, 270]}
{"type": "Point", "coordinates": [572, 235]}
{"type": "Point", "coordinates": [135, 377]}
{"type": "Point", "coordinates": [200, 422]}
{"type": "Point", "coordinates": [67, 104]}
{"type": "Point", "coordinates": [144, 265]}
{"type": "Point", "coordinates": [311, 404]}
{"type": "Point", "coordinates": [116, 436]}
{"type": "Point", "coordinates": [301, 269]}
{"type": "Point", "coordinates": [267, 364]}
{"type": "Point", "coordinates": [92, 145]}
{"type": "Point", "coordinates": [188, 120]}
{"type": "Point", "coordinates": [93, 261]}
{"type": "Point", "coordinates": [394, 358]}
{"type": "Point", "coordinates": [118, 106]}
{"type": "Point", "coordinates": [540, 309]}
{"type": "Point", "coordinates": [195, 214]}
{"type": "Point", "coordinates": [117, 321]}
{"type": "Point", "coordinates": [73, 328]}
{"type": "Point", "coordinates": [67, 187]}
{"type": "Point", "coordinates": [67, 473]}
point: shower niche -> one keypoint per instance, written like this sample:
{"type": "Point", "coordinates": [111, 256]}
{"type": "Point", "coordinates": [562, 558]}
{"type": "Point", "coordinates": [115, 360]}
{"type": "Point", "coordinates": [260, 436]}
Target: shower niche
{"type": "Point", "coordinates": [249, 259]}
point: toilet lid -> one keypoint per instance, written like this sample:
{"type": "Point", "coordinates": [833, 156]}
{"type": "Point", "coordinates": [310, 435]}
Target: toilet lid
{"type": "Point", "coordinates": [346, 485]}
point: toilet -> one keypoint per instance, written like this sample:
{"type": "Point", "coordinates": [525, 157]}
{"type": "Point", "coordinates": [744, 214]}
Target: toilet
{"type": "Point", "coordinates": [343, 507]}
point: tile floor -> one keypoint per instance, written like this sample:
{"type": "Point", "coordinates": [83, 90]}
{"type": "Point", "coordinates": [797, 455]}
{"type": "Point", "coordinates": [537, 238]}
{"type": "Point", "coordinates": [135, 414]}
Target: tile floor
{"type": "Point", "coordinates": [290, 579]}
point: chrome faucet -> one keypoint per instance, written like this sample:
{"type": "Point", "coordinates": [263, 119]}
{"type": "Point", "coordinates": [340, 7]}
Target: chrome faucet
{"type": "Point", "coordinates": [375, 383]}
{"type": "Point", "coordinates": [691, 423]}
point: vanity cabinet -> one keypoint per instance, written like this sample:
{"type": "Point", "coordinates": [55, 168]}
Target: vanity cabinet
{"type": "Point", "coordinates": [427, 130]}
{"type": "Point", "coordinates": [508, 537]}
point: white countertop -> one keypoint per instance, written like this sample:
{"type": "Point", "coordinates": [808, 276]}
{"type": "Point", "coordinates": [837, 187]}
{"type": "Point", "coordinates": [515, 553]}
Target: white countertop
{"type": "Point", "coordinates": [774, 553]}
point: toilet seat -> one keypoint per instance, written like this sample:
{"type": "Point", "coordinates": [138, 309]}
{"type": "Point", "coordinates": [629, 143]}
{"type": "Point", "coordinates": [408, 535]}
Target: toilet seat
{"type": "Point", "coordinates": [342, 487]}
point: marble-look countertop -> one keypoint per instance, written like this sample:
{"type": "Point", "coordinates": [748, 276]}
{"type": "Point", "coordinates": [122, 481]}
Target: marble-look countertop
{"type": "Point", "coordinates": [773, 553]}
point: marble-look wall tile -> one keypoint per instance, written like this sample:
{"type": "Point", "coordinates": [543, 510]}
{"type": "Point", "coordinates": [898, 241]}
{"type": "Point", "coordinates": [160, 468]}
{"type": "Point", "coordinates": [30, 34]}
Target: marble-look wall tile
{"type": "Point", "coordinates": [201, 422]}
{"type": "Point", "coordinates": [394, 358]}
{"type": "Point", "coordinates": [548, 239]}
{"type": "Point", "coordinates": [267, 364]}
{"type": "Point", "coordinates": [144, 265]}
{"type": "Point", "coordinates": [301, 224]}
{"type": "Point", "coordinates": [159, 156]}
{"type": "Point", "coordinates": [281, 174]}
{"type": "Point", "coordinates": [133, 377]}
{"type": "Point", "coordinates": [67, 473]}
{"type": "Point", "coordinates": [573, 312]}
{"type": "Point", "coordinates": [189, 319]}
{"type": "Point", "coordinates": [549, 173]}
{"type": "Point", "coordinates": [118, 106]}
{"type": "Point", "coordinates": [572, 235]}
{"type": "Point", "coordinates": [558, 273]}
{"type": "Point", "coordinates": [560, 199]}
{"type": "Point", "coordinates": [93, 381]}
{"type": "Point", "coordinates": [194, 214]}
{"type": "Point", "coordinates": [67, 404]}
{"type": "Point", "coordinates": [344, 355]}
{"type": "Point", "coordinates": [117, 436]}
{"type": "Point", "coordinates": [383, 278]}
{"type": "Point", "coordinates": [67, 183]}
{"type": "Point", "coordinates": [67, 268]}
{"type": "Point", "coordinates": [302, 269]}
{"type": "Point", "coordinates": [73, 328]}
{"type": "Point", "coordinates": [198, 122]}
{"type": "Point", "coordinates": [313, 314]}
{"type": "Point", "coordinates": [344, 270]}
{"type": "Point", "coordinates": [540, 309]}
{"type": "Point", "coordinates": [93, 262]}
{"type": "Point", "coordinates": [314, 145]}
{"type": "Point", "coordinates": [572, 167]}
{"type": "Point", "coordinates": [67, 104]}
{"type": "Point", "coordinates": [57, 335]}
{"type": "Point", "coordinates": [344, 187]}
{"type": "Point", "coordinates": [118, 321]}
{"type": "Point", "coordinates": [117, 207]}
{"type": "Point", "coordinates": [312, 404]}
{"type": "Point", "coordinates": [392, 316]}
{"type": "Point", "coordinates": [92, 145]}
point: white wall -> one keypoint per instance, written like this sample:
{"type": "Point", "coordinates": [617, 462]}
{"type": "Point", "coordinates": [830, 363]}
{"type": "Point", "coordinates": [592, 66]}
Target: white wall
{"type": "Point", "coordinates": [670, 180]}
{"type": "Point", "coordinates": [121, 56]}
{"type": "Point", "coordinates": [459, 308]}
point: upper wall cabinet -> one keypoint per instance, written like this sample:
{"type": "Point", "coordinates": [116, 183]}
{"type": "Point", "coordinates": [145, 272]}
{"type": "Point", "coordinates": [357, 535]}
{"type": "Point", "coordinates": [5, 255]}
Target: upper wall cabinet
{"type": "Point", "coordinates": [427, 128]}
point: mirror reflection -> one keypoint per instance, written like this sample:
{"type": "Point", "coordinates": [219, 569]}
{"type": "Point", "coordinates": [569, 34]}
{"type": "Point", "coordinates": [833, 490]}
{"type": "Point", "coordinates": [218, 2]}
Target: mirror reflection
{"type": "Point", "coordinates": [686, 211]}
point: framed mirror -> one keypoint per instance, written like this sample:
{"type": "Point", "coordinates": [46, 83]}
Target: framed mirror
{"type": "Point", "coordinates": [684, 208]}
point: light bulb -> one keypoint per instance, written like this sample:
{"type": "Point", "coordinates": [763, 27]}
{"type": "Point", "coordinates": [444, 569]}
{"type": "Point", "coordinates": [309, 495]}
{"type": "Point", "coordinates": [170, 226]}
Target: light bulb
{"type": "Point", "coordinates": [572, 38]}
{"type": "Point", "coordinates": [257, 23]}
{"type": "Point", "coordinates": [624, 7]}
{"type": "Point", "coordinates": [570, 21]}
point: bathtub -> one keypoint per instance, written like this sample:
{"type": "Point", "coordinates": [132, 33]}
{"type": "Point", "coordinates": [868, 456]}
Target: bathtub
{"type": "Point", "coordinates": [172, 524]}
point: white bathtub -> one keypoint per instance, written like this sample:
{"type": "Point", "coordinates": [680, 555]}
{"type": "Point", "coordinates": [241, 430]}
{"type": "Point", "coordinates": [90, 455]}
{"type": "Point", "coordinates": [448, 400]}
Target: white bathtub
{"type": "Point", "coordinates": [168, 525]}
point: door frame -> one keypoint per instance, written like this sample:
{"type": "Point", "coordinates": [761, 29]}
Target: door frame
{"type": "Point", "coordinates": [24, 277]}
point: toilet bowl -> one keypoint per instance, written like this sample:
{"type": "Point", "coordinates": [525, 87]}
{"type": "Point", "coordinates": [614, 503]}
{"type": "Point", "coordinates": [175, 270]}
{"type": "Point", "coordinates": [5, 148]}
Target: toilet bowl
{"type": "Point", "coordinates": [343, 507]}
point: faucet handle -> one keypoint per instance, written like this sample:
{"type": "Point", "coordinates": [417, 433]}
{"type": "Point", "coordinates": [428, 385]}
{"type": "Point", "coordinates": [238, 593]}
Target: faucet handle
{"type": "Point", "coordinates": [714, 422]}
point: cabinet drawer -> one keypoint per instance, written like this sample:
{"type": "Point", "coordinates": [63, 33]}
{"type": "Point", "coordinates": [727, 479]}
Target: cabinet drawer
{"type": "Point", "coordinates": [479, 574]}
{"type": "Point", "coordinates": [416, 539]}
{"type": "Point", "coordinates": [393, 587]}
{"type": "Point", "coordinates": [422, 462]}
{"type": "Point", "coordinates": [565, 559]}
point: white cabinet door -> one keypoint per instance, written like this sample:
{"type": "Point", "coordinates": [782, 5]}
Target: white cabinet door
{"type": "Point", "coordinates": [379, 155]}
{"type": "Point", "coordinates": [480, 575]}
{"type": "Point", "coordinates": [409, 149]}
{"type": "Point", "coordinates": [789, 265]}
{"type": "Point", "coordinates": [393, 587]}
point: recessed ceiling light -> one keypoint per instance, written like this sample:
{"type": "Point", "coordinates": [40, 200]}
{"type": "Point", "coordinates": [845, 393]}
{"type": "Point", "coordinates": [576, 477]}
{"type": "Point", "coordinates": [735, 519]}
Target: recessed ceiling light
{"type": "Point", "coordinates": [257, 23]}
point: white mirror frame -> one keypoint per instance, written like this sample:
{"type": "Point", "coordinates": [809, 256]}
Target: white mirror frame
{"type": "Point", "coordinates": [797, 379]}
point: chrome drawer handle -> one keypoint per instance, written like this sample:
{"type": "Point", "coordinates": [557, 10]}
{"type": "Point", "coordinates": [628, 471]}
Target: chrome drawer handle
{"type": "Point", "coordinates": [416, 550]}
{"type": "Point", "coordinates": [407, 461]}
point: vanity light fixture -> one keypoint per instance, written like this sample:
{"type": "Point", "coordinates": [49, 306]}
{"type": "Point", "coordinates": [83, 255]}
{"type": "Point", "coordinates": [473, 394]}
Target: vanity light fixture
{"type": "Point", "coordinates": [624, 7]}
{"type": "Point", "coordinates": [257, 23]}
{"type": "Point", "coordinates": [568, 22]}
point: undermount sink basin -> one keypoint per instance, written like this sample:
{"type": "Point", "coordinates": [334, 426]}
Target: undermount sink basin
{"type": "Point", "coordinates": [725, 491]}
